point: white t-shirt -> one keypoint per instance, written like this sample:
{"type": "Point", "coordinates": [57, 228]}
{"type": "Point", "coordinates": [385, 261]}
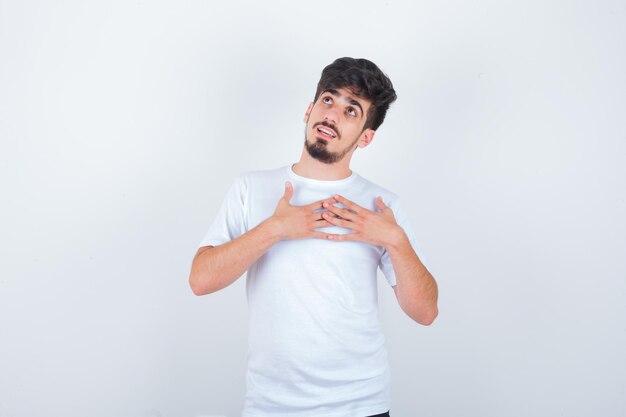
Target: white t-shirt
{"type": "Point", "coordinates": [315, 344]}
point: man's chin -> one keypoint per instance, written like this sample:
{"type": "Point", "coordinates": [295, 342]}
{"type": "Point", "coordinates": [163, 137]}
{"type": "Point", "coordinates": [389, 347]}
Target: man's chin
{"type": "Point", "coordinates": [318, 152]}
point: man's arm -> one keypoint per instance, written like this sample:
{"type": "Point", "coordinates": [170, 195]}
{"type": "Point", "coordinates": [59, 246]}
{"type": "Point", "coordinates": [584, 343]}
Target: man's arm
{"type": "Point", "coordinates": [416, 289]}
{"type": "Point", "coordinates": [214, 268]}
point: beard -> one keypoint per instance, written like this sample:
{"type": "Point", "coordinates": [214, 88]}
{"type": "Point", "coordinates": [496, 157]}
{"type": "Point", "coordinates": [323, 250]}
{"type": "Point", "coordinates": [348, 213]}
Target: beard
{"type": "Point", "coordinates": [318, 150]}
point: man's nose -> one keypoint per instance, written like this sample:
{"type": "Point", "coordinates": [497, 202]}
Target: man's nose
{"type": "Point", "coordinates": [331, 115]}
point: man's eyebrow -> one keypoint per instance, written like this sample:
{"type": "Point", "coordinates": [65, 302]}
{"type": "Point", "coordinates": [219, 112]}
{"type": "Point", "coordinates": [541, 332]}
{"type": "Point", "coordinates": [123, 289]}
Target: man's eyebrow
{"type": "Point", "coordinates": [350, 99]}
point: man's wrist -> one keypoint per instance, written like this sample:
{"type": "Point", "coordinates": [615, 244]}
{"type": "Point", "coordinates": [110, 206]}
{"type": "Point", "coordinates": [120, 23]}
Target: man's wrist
{"type": "Point", "coordinates": [273, 229]}
{"type": "Point", "coordinates": [397, 238]}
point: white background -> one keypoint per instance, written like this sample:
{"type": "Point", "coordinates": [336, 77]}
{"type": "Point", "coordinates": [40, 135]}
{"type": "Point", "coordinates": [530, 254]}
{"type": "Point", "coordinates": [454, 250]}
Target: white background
{"type": "Point", "coordinates": [122, 125]}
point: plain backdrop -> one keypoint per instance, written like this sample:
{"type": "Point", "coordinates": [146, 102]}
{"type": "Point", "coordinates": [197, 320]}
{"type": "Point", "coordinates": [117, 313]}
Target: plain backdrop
{"type": "Point", "coordinates": [122, 125]}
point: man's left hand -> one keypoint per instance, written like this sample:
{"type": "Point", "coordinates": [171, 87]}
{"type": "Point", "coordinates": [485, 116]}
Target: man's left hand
{"type": "Point", "coordinates": [376, 227]}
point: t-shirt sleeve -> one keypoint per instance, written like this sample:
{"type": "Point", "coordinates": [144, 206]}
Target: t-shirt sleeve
{"type": "Point", "coordinates": [403, 221]}
{"type": "Point", "coordinates": [231, 220]}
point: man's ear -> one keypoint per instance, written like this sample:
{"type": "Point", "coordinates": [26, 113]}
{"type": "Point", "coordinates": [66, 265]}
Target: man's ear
{"type": "Point", "coordinates": [366, 137]}
{"type": "Point", "coordinates": [308, 112]}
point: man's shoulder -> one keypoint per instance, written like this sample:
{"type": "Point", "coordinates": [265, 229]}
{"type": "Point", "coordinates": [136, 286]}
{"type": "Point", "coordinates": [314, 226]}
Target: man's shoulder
{"type": "Point", "coordinates": [377, 189]}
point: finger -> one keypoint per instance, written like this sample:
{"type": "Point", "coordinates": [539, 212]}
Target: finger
{"type": "Point", "coordinates": [379, 203]}
{"type": "Point", "coordinates": [339, 222]}
{"type": "Point", "coordinates": [320, 204]}
{"type": "Point", "coordinates": [319, 235]}
{"type": "Point", "coordinates": [341, 212]}
{"type": "Point", "coordinates": [349, 204]}
{"type": "Point", "coordinates": [315, 217]}
{"type": "Point", "coordinates": [322, 223]}
{"type": "Point", "coordinates": [288, 191]}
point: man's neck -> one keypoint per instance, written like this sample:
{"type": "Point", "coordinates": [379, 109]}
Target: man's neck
{"type": "Point", "coordinates": [310, 167]}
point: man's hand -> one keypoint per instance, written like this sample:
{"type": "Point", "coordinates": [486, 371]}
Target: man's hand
{"type": "Point", "coordinates": [416, 289]}
{"type": "Point", "coordinates": [299, 222]}
{"type": "Point", "coordinates": [376, 227]}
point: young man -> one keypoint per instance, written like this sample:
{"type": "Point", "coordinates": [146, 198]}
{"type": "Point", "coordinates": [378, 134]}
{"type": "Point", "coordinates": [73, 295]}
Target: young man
{"type": "Point", "coordinates": [311, 236]}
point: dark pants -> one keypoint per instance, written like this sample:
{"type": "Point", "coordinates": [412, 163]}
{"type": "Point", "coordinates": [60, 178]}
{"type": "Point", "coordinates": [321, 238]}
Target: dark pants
{"type": "Point", "coordinates": [382, 415]}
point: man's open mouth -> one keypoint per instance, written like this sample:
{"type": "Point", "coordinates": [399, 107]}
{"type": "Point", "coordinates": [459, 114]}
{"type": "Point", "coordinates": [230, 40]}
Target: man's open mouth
{"type": "Point", "coordinates": [326, 132]}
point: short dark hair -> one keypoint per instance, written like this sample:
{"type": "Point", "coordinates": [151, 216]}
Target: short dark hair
{"type": "Point", "coordinates": [364, 79]}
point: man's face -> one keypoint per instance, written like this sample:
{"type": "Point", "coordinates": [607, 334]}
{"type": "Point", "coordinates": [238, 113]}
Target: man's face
{"type": "Point", "coordinates": [334, 125]}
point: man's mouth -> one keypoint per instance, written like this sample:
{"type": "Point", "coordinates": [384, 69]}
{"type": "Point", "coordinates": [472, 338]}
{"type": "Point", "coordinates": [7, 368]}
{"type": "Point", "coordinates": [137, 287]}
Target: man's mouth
{"type": "Point", "coordinates": [326, 132]}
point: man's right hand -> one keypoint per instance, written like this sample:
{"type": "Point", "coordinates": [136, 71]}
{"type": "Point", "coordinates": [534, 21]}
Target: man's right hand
{"type": "Point", "coordinates": [299, 222]}
{"type": "Point", "coordinates": [214, 268]}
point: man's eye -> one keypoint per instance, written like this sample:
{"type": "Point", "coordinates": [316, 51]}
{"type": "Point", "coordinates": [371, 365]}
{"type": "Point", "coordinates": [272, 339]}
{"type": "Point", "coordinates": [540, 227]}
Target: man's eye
{"type": "Point", "coordinates": [327, 100]}
{"type": "Point", "coordinates": [352, 112]}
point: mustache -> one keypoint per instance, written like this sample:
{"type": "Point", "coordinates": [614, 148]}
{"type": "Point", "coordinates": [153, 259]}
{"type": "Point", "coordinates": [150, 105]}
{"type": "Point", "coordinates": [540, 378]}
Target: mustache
{"type": "Point", "coordinates": [328, 125]}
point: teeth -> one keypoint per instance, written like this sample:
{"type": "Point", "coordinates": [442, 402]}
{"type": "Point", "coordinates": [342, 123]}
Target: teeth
{"type": "Point", "coordinates": [329, 133]}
